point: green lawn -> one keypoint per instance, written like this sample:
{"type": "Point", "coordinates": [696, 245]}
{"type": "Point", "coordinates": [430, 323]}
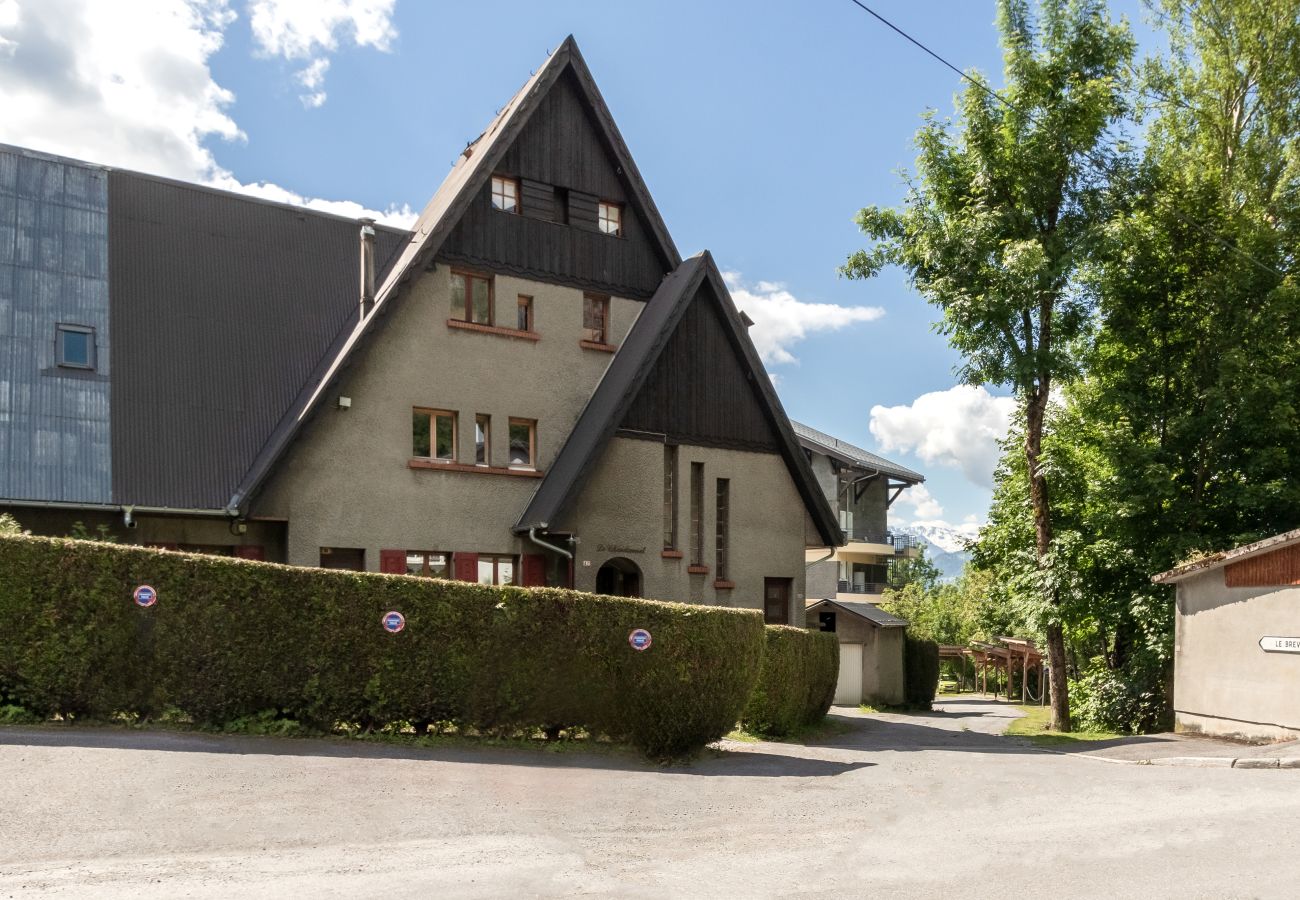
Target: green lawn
{"type": "Point", "coordinates": [1035, 726]}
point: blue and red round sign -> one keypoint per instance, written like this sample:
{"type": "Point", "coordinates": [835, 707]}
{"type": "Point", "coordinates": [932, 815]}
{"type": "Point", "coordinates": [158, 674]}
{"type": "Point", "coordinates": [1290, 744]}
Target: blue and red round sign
{"type": "Point", "coordinates": [393, 622]}
{"type": "Point", "coordinates": [639, 639]}
{"type": "Point", "coordinates": [145, 595]}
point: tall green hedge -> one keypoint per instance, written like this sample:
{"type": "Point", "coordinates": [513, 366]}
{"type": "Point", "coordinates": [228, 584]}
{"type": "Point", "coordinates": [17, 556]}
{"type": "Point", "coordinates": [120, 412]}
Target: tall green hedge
{"type": "Point", "coordinates": [230, 638]}
{"type": "Point", "coordinates": [921, 661]}
{"type": "Point", "coordinates": [797, 681]}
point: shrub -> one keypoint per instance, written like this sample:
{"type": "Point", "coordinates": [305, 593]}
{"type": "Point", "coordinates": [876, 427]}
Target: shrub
{"type": "Point", "coordinates": [797, 681]}
{"type": "Point", "coordinates": [229, 639]}
{"type": "Point", "coordinates": [921, 675]}
{"type": "Point", "coordinates": [1104, 700]}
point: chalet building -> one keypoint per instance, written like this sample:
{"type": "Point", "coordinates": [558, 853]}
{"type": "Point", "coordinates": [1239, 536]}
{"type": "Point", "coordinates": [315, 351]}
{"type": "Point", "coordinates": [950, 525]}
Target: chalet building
{"type": "Point", "coordinates": [530, 386]}
{"type": "Point", "coordinates": [1237, 641]}
{"type": "Point", "coordinates": [843, 581]}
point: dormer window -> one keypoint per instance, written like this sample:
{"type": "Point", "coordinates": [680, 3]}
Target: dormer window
{"type": "Point", "coordinates": [609, 216]}
{"type": "Point", "coordinates": [505, 194]}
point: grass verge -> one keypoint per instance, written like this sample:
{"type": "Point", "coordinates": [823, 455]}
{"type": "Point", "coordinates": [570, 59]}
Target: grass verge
{"type": "Point", "coordinates": [1036, 726]}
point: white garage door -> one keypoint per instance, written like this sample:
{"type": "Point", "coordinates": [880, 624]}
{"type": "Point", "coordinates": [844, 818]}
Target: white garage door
{"type": "Point", "coordinates": [848, 691]}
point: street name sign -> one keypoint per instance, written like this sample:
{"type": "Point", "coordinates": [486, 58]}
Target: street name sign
{"type": "Point", "coordinates": [1280, 644]}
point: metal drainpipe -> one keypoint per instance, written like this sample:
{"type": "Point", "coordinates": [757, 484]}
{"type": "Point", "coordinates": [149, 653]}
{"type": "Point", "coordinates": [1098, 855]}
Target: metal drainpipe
{"type": "Point", "coordinates": [532, 536]}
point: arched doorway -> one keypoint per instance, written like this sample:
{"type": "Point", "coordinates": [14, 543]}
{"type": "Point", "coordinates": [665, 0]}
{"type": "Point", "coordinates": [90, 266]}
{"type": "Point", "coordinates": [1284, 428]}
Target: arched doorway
{"type": "Point", "coordinates": [619, 577]}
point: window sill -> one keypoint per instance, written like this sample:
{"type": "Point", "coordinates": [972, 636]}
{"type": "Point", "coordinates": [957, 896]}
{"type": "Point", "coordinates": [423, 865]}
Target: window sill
{"type": "Point", "coordinates": [671, 554]}
{"type": "Point", "coordinates": [724, 585]}
{"type": "Point", "coordinates": [593, 345]}
{"type": "Point", "coordinates": [494, 329]}
{"type": "Point", "coordinates": [698, 570]}
{"type": "Point", "coordinates": [418, 463]}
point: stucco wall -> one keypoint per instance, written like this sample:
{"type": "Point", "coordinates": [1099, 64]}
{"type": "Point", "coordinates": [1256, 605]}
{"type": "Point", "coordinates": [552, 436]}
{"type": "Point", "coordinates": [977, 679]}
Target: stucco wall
{"type": "Point", "coordinates": [882, 653]}
{"type": "Point", "coordinates": [346, 482]}
{"type": "Point", "coordinates": [1224, 683]}
{"type": "Point", "coordinates": [621, 509]}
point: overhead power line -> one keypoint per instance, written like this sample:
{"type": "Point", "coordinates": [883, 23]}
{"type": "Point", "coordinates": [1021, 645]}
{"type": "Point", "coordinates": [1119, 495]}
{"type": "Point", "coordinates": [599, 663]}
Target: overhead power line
{"type": "Point", "coordinates": [1100, 165]}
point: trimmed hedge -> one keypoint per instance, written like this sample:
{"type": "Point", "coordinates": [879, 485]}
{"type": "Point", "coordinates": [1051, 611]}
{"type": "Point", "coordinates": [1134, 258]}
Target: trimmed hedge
{"type": "Point", "coordinates": [797, 682]}
{"type": "Point", "coordinates": [231, 638]}
{"type": "Point", "coordinates": [921, 665]}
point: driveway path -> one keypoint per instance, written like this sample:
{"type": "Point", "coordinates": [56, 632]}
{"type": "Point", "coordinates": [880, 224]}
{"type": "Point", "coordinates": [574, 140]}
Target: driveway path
{"type": "Point", "coordinates": [903, 806]}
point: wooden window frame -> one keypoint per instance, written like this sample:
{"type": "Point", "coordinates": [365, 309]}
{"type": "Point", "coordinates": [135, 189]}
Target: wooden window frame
{"type": "Point", "coordinates": [670, 497]}
{"type": "Point", "coordinates": [697, 514]}
{"type": "Point", "coordinates": [433, 434]}
{"type": "Point", "coordinates": [496, 559]}
{"type": "Point", "coordinates": [519, 194]}
{"type": "Point", "coordinates": [485, 421]}
{"type": "Point", "coordinates": [425, 573]}
{"type": "Point", "coordinates": [525, 302]}
{"type": "Point", "coordinates": [602, 218]}
{"type": "Point", "coordinates": [588, 333]}
{"type": "Point", "coordinates": [532, 442]}
{"type": "Point", "coordinates": [722, 529]}
{"type": "Point", "coordinates": [468, 312]}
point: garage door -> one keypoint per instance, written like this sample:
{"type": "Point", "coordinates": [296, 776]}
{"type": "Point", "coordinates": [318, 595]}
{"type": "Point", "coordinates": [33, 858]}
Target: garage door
{"type": "Point", "coordinates": [848, 691]}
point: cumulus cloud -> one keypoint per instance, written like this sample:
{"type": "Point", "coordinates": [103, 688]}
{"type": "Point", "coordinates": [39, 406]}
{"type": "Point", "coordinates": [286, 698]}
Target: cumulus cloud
{"type": "Point", "coordinates": [782, 320]}
{"type": "Point", "coordinates": [299, 30]}
{"type": "Point", "coordinates": [921, 501]}
{"type": "Point", "coordinates": [82, 79]}
{"type": "Point", "coordinates": [959, 427]}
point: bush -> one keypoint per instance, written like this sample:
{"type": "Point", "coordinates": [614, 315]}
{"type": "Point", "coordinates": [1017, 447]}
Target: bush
{"type": "Point", "coordinates": [921, 672]}
{"type": "Point", "coordinates": [230, 639]}
{"type": "Point", "coordinates": [797, 681]}
{"type": "Point", "coordinates": [1104, 700]}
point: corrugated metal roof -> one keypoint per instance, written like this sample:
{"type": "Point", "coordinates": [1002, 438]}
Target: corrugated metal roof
{"type": "Point", "coordinates": [627, 373]}
{"type": "Point", "coordinates": [222, 307]}
{"type": "Point", "coordinates": [820, 440]}
{"type": "Point", "coordinates": [868, 611]}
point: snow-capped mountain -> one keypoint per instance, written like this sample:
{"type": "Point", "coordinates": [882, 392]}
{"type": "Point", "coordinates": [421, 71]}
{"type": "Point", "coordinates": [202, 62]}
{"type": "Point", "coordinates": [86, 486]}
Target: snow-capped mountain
{"type": "Point", "coordinates": [946, 546]}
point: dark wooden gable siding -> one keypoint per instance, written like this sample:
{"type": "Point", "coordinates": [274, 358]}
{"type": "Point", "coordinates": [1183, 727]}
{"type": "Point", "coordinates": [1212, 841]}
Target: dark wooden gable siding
{"type": "Point", "coordinates": [560, 147]}
{"type": "Point", "coordinates": [700, 391]}
{"type": "Point", "coordinates": [1277, 568]}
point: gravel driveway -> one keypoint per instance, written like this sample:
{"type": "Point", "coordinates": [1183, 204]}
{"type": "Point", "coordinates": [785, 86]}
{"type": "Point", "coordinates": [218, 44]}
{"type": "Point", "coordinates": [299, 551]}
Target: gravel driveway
{"type": "Point", "coordinates": [906, 805]}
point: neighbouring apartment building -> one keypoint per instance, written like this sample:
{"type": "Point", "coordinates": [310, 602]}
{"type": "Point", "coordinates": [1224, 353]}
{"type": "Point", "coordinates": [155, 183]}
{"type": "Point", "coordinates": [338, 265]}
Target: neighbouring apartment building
{"type": "Point", "coordinates": [531, 386]}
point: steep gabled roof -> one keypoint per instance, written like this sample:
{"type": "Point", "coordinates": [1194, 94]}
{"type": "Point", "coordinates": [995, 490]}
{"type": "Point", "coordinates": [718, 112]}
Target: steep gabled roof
{"type": "Point", "coordinates": [854, 456]}
{"type": "Point", "coordinates": [468, 176]}
{"type": "Point", "coordinates": [629, 370]}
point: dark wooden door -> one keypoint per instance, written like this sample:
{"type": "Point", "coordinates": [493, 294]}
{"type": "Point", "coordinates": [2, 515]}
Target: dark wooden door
{"type": "Point", "coordinates": [776, 600]}
{"type": "Point", "coordinates": [353, 558]}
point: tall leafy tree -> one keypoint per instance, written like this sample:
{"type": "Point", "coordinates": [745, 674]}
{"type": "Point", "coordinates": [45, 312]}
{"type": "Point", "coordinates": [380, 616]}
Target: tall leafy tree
{"type": "Point", "coordinates": [1002, 210]}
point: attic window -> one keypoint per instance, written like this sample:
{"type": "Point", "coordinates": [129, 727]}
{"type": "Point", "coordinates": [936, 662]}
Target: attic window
{"type": "Point", "coordinates": [74, 346]}
{"type": "Point", "coordinates": [505, 194]}
{"type": "Point", "coordinates": [609, 216]}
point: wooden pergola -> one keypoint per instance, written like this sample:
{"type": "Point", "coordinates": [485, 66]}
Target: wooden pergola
{"type": "Point", "coordinates": [1014, 656]}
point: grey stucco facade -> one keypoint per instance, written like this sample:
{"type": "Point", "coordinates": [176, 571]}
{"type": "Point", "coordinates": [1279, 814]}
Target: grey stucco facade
{"type": "Point", "coordinates": [882, 671]}
{"type": "Point", "coordinates": [55, 443]}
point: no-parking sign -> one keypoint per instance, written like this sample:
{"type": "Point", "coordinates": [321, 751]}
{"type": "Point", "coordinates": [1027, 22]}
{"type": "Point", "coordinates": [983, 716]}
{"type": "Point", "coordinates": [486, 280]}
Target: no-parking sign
{"type": "Point", "coordinates": [145, 595]}
{"type": "Point", "coordinates": [393, 622]}
{"type": "Point", "coordinates": [639, 639]}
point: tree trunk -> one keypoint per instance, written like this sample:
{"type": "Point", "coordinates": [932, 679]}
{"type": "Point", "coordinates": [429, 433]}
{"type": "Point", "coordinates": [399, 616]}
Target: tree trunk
{"type": "Point", "coordinates": [1036, 412]}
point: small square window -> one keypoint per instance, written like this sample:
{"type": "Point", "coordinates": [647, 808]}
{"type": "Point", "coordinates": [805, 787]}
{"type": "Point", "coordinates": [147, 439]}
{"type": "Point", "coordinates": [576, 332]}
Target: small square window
{"type": "Point", "coordinates": [523, 443]}
{"type": "Point", "coordinates": [433, 434]}
{"type": "Point", "coordinates": [524, 322]}
{"type": "Point", "coordinates": [609, 216]}
{"type": "Point", "coordinates": [505, 194]}
{"type": "Point", "coordinates": [74, 346]}
{"type": "Point", "coordinates": [471, 298]}
{"type": "Point", "coordinates": [595, 318]}
{"type": "Point", "coordinates": [482, 440]}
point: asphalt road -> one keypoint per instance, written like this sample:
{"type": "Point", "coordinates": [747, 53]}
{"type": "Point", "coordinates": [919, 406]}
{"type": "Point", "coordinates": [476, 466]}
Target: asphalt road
{"type": "Point", "coordinates": [906, 806]}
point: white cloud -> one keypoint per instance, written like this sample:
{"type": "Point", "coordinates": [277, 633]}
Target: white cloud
{"type": "Point", "coordinates": [82, 79]}
{"type": "Point", "coordinates": [309, 29]}
{"type": "Point", "coordinates": [922, 502]}
{"type": "Point", "coordinates": [782, 320]}
{"type": "Point", "coordinates": [959, 427]}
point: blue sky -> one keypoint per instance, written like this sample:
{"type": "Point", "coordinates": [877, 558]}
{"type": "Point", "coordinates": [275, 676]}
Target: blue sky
{"type": "Point", "coordinates": [760, 129]}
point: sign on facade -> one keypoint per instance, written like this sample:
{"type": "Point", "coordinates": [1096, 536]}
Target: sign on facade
{"type": "Point", "coordinates": [394, 622]}
{"type": "Point", "coordinates": [1280, 644]}
{"type": "Point", "coordinates": [145, 595]}
{"type": "Point", "coordinates": [639, 639]}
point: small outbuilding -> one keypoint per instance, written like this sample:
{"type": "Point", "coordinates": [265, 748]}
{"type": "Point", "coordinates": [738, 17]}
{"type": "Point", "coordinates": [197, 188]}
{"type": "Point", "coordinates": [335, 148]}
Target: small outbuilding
{"type": "Point", "coordinates": [871, 650]}
{"type": "Point", "coordinates": [1237, 641]}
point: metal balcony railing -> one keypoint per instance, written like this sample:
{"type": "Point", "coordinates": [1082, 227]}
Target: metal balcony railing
{"type": "Point", "coordinates": [861, 587]}
{"type": "Point", "coordinates": [900, 542]}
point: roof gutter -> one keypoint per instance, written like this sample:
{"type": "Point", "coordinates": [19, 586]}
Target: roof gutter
{"type": "Point", "coordinates": [116, 507]}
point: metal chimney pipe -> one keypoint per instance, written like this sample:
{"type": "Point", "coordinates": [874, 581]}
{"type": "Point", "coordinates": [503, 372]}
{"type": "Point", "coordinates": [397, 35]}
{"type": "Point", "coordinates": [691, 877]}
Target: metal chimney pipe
{"type": "Point", "coordinates": [367, 266]}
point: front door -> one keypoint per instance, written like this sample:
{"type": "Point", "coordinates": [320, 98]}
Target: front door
{"type": "Point", "coordinates": [776, 600]}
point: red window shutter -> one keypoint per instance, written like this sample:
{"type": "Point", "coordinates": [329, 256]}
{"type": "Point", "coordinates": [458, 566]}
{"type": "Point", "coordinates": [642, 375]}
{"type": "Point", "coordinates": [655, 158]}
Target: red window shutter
{"type": "Point", "coordinates": [392, 562]}
{"type": "Point", "coordinates": [534, 570]}
{"type": "Point", "coordinates": [251, 551]}
{"type": "Point", "coordinates": [465, 566]}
